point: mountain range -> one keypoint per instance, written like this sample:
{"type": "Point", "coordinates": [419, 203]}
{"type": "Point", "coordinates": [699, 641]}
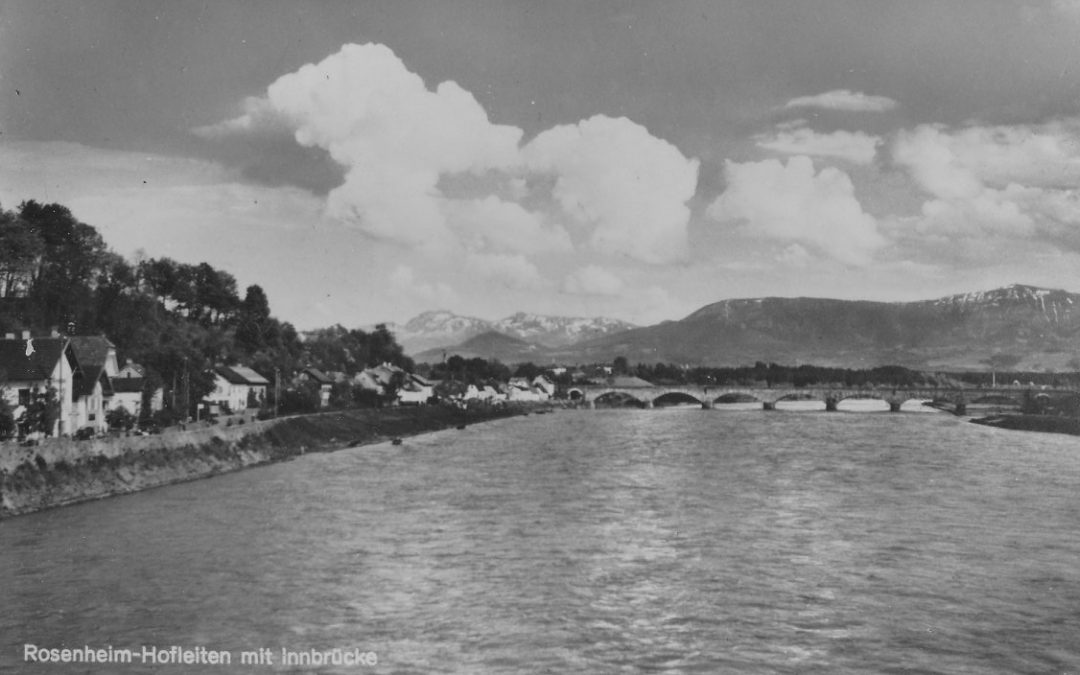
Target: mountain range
{"type": "Point", "coordinates": [1040, 326]}
{"type": "Point", "coordinates": [438, 329]}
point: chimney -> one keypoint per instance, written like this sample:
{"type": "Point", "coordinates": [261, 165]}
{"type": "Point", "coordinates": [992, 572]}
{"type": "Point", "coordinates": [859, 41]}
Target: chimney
{"type": "Point", "coordinates": [26, 335]}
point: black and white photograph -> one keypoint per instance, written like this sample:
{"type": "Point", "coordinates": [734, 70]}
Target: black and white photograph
{"type": "Point", "coordinates": [539, 336]}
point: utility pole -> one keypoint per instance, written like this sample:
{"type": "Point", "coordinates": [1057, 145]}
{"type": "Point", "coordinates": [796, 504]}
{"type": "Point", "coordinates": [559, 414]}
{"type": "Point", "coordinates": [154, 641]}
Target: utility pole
{"type": "Point", "coordinates": [277, 389]}
{"type": "Point", "coordinates": [187, 392]}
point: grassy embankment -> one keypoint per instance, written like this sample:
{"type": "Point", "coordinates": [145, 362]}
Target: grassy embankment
{"type": "Point", "coordinates": [64, 471]}
{"type": "Point", "coordinates": [1045, 423]}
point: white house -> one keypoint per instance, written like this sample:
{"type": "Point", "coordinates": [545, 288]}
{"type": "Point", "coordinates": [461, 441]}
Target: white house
{"type": "Point", "coordinates": [96, 357]}
{"type": "Point", "coordinates": [520, 389]}
{"type": "Point", "coordinates": [234, 386]}
{"type": "Point", "coordinates": [128, 386]}
{"type": "Point", "coordinates": [544, 385]}
{"type": "Point", "coordinates": [30, 367]}
{"type": "Point", "coordinates": [416, 390]}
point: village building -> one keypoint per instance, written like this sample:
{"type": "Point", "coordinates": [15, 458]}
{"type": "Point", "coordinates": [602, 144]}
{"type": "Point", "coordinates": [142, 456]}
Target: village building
{"type": "Point", "coordinates": [237, 387]}
{"type": "Point", "coordinates": [325, 383]}
{"type": "Point", "coordinates": [377, 378]}
{"type": "Point", "coordinates": [417, 390]}
{"type": "Point", "coordinates": [128, 386]}
{"type": "Point", "coordinates": [30, 368]}
{"type": "Point", "coordinates": [96, 358]}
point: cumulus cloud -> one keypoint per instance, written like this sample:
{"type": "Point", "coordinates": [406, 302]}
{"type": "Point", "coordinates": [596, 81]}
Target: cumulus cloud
{"type": "Point", "coordinates": [509, 270]}
{"type": "Point", "coordinates": [1004, 181]}
{"type": "Point", "coordinates": [592, 280]}
{"type": "Point", "coordinates": [405, 148]}
{"type": "Point", "coordinates": [844, 99]}
{"type": "Point", "coordinates": [856, 147]}
{"type": "Point", "coordinates": [795, 256]}
{"type": "Point", "coordinates": [792, 203]}
{"type": "Point", "coordinates": [946, 161]}
{"type": "Point", "coordinates": [490, 223]}
{"type": "Point", "coordinates": [630, 186]}
{"type": "Point", "coordinates": [403, 280]}
{"type": "Point", "coordinates": [393, 135]}
{"type": "Point", "coordinates": [259, 118]}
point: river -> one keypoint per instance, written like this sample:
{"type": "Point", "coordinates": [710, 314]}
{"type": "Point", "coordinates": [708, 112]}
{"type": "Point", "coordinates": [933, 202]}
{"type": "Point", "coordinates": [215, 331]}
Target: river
{"type": "Point", "coordinates": [618, 541]}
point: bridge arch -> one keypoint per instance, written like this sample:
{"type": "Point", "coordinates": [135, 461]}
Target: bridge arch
{"type": "Point", "coordinates": [615, 398]}
{"type": "Point", "coordinates": [675, 398]}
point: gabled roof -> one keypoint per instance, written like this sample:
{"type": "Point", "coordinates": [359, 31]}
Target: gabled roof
{"type": "Point", "coordinates": [241, 375]}
{"type": "Point", "coordinates": [318, 375]}
{"type": "Point", "coordinates": [16, 365]}
{"type": "Point", "coordinates": [628, 381]}
{"type": "Point", "coordinates": [91, 350]}
{"type": "Point", "coordinates": [87, 376]}
{"type": "Point", "coordinates": [382, 374]}
{"type": "Point", "coordinates": [127, 385]}
{"type": "Point", "coordinates": [420, 380]}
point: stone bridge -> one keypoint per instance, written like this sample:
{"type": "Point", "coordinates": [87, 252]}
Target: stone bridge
{"type": "Point", "coordinates": [709, 396]}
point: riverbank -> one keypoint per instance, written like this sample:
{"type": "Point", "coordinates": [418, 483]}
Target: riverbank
{"type": "Point", "coordinates": [64, 471]}
{"type": "Point", "coordinates": [1044, 423]}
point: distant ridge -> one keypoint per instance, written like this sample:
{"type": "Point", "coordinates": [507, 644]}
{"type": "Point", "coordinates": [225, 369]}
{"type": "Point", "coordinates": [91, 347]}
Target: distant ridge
{"type": "Point", "coordinates": [443, 329]}
{"type": "Point", "coordinates": [489, 345]}
{"type": "Point", "coordinates": [1040, 325]}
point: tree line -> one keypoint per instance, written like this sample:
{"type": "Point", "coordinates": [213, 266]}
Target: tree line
{"type": "Point", "coordinates": [176, 319]}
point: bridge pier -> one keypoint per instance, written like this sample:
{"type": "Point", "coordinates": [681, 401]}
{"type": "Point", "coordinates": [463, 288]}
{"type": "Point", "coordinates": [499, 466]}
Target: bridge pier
{"type": "Point", "coordinates": [706, 405]}
{"type": "Point", "coordinates": [592, 405]}
{"type": "Point", "coordinates": [830, 404]}
{"type": "Point", "coordinates": [768, 405]}
{"type": "Point", "coordinates": [649, 404]}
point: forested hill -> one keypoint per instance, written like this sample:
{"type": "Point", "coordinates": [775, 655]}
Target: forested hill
{"type": "Point", "coordinates": [172, 317]}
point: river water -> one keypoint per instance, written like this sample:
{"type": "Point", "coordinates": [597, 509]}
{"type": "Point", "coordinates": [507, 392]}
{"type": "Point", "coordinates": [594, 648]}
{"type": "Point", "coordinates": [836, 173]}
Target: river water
{"type": "Point", "coordinates": [622, 541]}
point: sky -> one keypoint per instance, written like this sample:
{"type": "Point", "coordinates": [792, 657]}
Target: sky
{"type": "Point", "coordinates": [367, 161]}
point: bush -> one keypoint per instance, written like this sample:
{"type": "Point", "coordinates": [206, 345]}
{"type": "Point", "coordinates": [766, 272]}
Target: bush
{"type": "Point", "coordinates": [120, 418]}
{"type": "Point", "coordinates": [7, 419]}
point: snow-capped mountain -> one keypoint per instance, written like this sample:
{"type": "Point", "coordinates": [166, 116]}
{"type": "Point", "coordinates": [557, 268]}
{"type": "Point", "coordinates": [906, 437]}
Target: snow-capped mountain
{"type": "Point", "coordinates": [558, 331]}
{"type": "Point", "coordinates": [1039, 326]}
{"type": "Point", "coordinates": [440, 328]}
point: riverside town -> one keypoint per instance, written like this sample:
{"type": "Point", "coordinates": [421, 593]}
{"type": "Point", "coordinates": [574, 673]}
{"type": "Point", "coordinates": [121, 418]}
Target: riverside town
{"type": "Point", "coordinates": [539, 337]}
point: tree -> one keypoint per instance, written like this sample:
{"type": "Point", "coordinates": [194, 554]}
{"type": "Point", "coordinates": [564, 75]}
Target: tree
{"type": "Point", "coordinates": [529, 371]}
{"type": "Point", "coordinates": [253, 319]}
{"type": "Point", "coordinates": [7, 418]}
{"type": "Point", "coordinates": [21, 249]}
{"type": "Point", "coordinates": [43, 411]}
{"type": "Point", "coordinates": [1001, 362]}
{"type": "Point", "coordinates": [620, 366]}
{"type": "Point", "coordinates": [71, 260]}
{"type": "Point", "coordinates": [120, 418]}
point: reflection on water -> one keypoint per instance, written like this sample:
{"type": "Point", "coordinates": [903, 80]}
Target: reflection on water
{"type": "Point", "coordinates": [590, 542]}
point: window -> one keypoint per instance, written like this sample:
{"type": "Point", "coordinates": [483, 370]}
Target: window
{"type": "Point", "coordinates": [24, 397]}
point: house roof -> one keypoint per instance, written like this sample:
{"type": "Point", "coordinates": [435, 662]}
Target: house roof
{"type": "Point", "coordinates": [91, 350]}
{"type": "Point", "coordinates": [16, 365]}
{"type": "Point", "coordinates": [241, 375]}
{"type": "Point", "coordinates": [382, 374]}
{"type": "Point", "coordinates": [132, 367]}
{"type": "Point", "coordinates": [420, 380]}
{"type": "Point", "coordinates": [127, 385]}
{"type": "Point", "coordinates": [318, 375]}
{"type": "Point", "coordinates": [87, 376]}
{"type": "Point", "coordinates": [628, 381]}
